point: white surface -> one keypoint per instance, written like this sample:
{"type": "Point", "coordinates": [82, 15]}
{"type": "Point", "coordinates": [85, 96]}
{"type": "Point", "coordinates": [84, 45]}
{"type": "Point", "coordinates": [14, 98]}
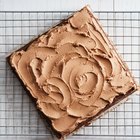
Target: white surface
{"type": "Point", "coordinates": [53, 5]}
{"type": "Point", "coordinates": [127, 5]}
{"type": "Point", "coordinates": [65, 5]}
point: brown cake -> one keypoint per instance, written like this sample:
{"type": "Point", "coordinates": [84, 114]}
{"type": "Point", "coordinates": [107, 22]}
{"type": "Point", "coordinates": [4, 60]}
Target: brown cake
{"type": "Point", "coordinates": [73, 72]}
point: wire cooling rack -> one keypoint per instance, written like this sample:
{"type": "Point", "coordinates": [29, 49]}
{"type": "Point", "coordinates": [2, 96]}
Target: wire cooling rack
{"type": "Point", "coordinates": [19, 119]}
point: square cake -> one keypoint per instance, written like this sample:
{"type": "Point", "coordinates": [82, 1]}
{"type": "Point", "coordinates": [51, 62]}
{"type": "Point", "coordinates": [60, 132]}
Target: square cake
{"type": "Point", "coordinates": [73, 73]}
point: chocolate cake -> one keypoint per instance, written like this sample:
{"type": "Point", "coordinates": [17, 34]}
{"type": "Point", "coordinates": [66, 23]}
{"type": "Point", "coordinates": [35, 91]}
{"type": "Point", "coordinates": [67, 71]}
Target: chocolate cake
{"type": "Point", "coordinates": [73, 72]}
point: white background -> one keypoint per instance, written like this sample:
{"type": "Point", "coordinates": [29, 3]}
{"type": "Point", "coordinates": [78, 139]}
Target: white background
{"type": "Point", "coordinates": [62, 5]}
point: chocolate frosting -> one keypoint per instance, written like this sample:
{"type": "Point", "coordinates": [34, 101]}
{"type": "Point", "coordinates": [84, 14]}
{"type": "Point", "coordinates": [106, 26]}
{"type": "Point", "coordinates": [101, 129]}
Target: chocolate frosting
{"type": "Point", "coordinates": [72, 71]}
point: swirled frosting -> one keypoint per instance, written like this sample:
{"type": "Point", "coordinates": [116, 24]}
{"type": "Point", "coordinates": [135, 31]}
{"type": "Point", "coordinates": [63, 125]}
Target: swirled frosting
{"type": "Point", "coordinates": [73, 71]}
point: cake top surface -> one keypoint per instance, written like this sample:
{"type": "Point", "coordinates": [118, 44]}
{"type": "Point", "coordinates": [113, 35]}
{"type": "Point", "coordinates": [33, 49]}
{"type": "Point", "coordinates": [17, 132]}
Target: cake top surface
{"type": "Point", "coordinates": [73, 71]}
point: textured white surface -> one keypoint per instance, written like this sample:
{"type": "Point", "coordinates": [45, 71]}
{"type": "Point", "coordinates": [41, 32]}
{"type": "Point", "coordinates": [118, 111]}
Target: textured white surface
{"type": "Point", "coordinates": [65, 5]}
{"type": "Point", "coordinates": [53, 5]}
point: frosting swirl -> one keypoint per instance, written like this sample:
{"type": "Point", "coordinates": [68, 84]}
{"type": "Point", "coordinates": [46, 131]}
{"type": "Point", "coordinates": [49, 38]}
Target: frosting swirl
{"type": "Point", "coordinates": [72, 71]}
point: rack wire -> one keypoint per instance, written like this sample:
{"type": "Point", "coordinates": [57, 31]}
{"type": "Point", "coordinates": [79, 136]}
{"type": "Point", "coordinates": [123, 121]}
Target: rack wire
{"type": "Point", "coordinates": [18, 116]}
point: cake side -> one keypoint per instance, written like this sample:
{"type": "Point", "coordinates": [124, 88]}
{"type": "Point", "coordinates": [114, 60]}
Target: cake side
{"type": "Point", "coordinates": [73, 72]}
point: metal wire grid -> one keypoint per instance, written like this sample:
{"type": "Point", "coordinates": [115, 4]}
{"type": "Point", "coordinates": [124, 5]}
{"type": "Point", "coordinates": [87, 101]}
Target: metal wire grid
{"type": "Point", "coordinates": [18, 116]}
